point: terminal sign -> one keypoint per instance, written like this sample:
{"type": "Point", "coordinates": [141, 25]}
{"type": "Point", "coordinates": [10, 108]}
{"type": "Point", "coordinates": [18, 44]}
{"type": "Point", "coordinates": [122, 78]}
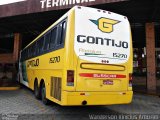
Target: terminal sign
{"type": "Point", "coordinates": [54, 3]}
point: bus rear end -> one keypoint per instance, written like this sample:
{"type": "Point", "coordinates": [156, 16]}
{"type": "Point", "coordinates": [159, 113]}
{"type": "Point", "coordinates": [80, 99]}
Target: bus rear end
{"type": "Point", "coordinates": [103, 50]}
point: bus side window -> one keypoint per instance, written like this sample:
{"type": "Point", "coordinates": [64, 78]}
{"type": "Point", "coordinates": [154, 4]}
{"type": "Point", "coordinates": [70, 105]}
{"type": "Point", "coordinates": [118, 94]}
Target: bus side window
{"type": "Point", "coordinates": [53, 37]}
{"type": "Point", "coordinates": [40, 45]}
{"type": "Point", "coordinates": [38, 49]}
{"type": "Point", "coordinates": [47, 40]}
{"type": "Point", "coordinates": [29, 52]}
{"type": "Point", "coordinates": [33, 49]}
{"type": "Point", "coordinates": [25, 54]}
{"type": "Point", "coordinates": [22, 55]}
{"type": "Point", "coordinates": [62, 33]}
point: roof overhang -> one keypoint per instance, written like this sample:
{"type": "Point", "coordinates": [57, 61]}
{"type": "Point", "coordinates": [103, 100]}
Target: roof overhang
{"type": "Point", "coordinates": [35, 6]}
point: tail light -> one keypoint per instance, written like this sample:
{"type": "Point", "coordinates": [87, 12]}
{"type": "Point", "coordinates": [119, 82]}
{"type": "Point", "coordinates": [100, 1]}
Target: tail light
{"type": "Point", "coordinates": [70, 78]}
{"type": "Point", "coordinates": [130, 80]}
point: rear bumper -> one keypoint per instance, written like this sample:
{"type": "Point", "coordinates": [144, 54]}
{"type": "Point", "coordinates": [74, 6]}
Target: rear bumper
{"type": "Point", "coordinates": [96, 98]}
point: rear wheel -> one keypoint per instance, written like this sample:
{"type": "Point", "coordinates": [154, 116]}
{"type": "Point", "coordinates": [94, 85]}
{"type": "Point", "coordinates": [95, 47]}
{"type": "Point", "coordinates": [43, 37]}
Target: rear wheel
{"type": "Point", "coordinates": [43, 92]}
{"type": "Point", "coordinates": [36, 90]}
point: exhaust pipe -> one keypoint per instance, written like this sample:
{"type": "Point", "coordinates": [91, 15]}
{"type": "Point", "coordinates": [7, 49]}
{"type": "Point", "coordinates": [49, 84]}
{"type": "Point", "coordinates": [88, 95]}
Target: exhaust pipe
{"type": "Point", "coordinates": [84, 102]}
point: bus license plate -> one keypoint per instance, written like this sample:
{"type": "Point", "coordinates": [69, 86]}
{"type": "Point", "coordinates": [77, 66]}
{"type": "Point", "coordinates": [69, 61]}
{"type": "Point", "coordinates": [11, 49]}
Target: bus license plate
{"type": "Point", "coordinates": [108, 82]}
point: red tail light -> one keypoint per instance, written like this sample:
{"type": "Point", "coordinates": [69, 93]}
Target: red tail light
{"type": "Point", "coordinates": [130, 80]}
{"type": "Point", "coordinates": [70, 78]}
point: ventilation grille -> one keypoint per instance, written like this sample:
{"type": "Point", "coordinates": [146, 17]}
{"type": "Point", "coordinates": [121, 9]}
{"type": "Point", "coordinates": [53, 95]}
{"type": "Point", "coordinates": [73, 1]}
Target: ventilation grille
{"type": "Point", "coordinates": [56, 87]}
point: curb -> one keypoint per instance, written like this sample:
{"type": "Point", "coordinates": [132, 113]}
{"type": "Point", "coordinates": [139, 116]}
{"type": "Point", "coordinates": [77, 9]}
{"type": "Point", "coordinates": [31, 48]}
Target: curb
{"type": "Point", "coordinates": [10, 88]}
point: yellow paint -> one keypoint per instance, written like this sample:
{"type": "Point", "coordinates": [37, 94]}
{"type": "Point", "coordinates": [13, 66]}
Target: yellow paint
{"type": "Point", "coordinates": [97, 98]}
{"type": "Point", "coordinates": [95, 92]}
{"type": "Point", "coordinates": [106, 25]}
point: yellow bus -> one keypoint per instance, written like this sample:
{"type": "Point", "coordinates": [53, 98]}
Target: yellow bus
{"type": "Point", "coordinates": [84, 58]}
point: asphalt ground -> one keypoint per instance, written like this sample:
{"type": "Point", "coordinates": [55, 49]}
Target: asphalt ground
{"type": "Point", "coordinates": [22, 105]}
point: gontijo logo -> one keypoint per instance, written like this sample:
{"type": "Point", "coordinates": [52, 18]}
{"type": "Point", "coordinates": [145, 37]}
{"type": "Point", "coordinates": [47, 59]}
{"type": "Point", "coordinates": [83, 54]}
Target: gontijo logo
{"type": "Point", "coordinates": [105, 24]}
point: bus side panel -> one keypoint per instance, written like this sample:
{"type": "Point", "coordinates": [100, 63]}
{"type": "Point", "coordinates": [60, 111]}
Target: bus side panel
{"type": "Point", "coordinates": [96, 89]}
{"type": "Point", "coordinates": [50, 66]}
{"type": "Point", "coordinates": [70, 58]}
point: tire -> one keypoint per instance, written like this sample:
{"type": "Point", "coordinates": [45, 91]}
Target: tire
{"type": "Point", "coordinates": [36, 90]}
{"type": "Point", "coordinates": [43, 93]}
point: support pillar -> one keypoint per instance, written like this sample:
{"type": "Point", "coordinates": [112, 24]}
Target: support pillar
{"type": "Point", "coordinates": [17, 46]}
{"type": "Point", "coordinates": [151, 62]}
